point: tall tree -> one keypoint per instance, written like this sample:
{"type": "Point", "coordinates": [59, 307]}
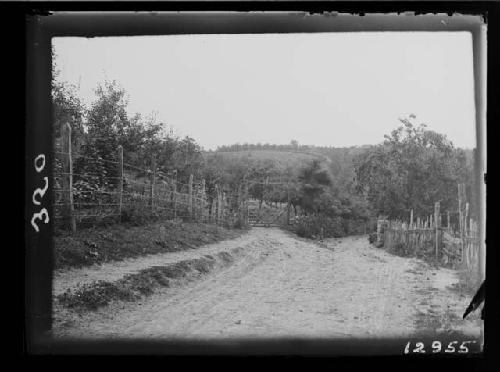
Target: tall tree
{"type": "Point", "coordinates": [313, 180]}
{"type": "Point", "coordinates": [108, 126]}
{"type": "Point", "coordinates": [412, 169]}
{"type": "Point", "coordinates": [67, 107]}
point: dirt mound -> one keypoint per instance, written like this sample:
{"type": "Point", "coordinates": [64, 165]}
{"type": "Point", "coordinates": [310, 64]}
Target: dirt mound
{"type": "Point", "coordinates": [91, 296]}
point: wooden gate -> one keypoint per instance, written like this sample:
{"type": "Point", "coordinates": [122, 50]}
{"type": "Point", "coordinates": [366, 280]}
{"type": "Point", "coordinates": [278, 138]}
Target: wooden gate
{"type": "Point", "coordinates": [268, 203]}
{"type": "Point", "coordinates": [267, 215]}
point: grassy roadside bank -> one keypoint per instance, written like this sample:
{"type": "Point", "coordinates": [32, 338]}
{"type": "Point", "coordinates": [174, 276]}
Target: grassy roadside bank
{"type": "Point", "coordinates": [135, 286]}
{"type": "Point", "coordinates": [468, 282]}
{"type": "Point", "coordinates": [117, 242]}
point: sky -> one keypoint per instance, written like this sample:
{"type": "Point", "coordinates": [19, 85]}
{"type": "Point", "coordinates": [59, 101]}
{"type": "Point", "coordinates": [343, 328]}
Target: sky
{"type": "Point", "coordinates": [324, 89]}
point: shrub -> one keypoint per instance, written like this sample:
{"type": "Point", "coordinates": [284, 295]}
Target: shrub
{"type": "Point", "coordinates": [372, 238]}
{"type": "Point", "coordinates": [136, 215]}
{"type": "Point", "coordinates": [402, 250]}
{"type": "Point", "coordinates": [239, 223]}
{"type": "Point", "coordinates": [317, 226]}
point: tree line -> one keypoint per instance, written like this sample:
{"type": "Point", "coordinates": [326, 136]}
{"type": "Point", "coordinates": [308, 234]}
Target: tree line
{"type": "Point", "coordinates": [292, 146]}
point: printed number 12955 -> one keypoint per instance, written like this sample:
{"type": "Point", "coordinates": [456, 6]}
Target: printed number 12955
{"type": "Point", "coordinates": [437, 347]}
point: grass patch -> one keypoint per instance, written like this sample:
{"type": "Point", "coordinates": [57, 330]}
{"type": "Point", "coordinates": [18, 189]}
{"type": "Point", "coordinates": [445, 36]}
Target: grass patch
{"type": "Point", "coordinates": [468, 280]}
{"type": "Point", "coordinates": [132, 287]}
{"type": "Point", "coordinates": [426, 253]}
{"type": "Point", "coordinates": [468, 283]}
{"type": "Point", "coordinates": [318, 227]}
{"type": "Point", "coordinates": [437, 321]}
{"type": "Point", "coordinates": [119, 241]}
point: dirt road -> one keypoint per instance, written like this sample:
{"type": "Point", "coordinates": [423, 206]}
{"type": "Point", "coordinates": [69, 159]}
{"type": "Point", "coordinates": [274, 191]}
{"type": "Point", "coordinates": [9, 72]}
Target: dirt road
{"type": "Point", "coordinates": [286, 286]}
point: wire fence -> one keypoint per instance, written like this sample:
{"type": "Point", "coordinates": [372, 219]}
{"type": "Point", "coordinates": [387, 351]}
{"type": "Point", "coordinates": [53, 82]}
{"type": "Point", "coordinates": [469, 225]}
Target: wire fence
{"type": "Point", "coordinates": [120, 192]}
{"type": "Point", "coordinates": [90, 189]}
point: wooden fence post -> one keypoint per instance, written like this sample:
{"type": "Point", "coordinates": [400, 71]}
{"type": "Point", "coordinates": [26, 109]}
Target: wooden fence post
{"type": "Point", "coordinates": [460, 207]}
{"type": "Point", "coordinates": [215, 200]}
{"type": "Point", "coordinates": [379, 230]}
{"type": "Point", "coordinates": [120, 180]}
{"type": "Point", "coordinates": [288, 204]}
{"type": "Point", "coordinates": [467, 246]}
{"type": "Point", "coordinates": [153, 182]}
{"type": "Point", "coordinates": [466, 218]}
{"type": "Point", "coordinates": [461, 213]}
{"type": "Point", "coordinates": [241, 203]}
{"type": "Point", "coordinates": [174, 193]}
{"type": "Point", "coordinates": [67, 178]}
{"type": "Point", "coordinates": [215, 205]}
{"type": "Point", "coordinates": [437, 219]}
{"type": "Point", "coordinates": [223, 205]}
{"type": "Point", "coordinates": [190, 196]}
{"type": "Point", "coordinates": [203, 200]}
{"type": "Point", "coordinates": [246, 211]}
{"type": "Point", "coordinates": [265, 193]}
{"type": "Point", "coordinates": [219, 204]}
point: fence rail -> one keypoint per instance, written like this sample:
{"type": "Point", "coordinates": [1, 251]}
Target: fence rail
{"type": "Point", "coordinates": [101, 189]}
{"type": "Point", "coordinates": [449, 243]}
{"type": "Point", "coordinates": [148, 191]}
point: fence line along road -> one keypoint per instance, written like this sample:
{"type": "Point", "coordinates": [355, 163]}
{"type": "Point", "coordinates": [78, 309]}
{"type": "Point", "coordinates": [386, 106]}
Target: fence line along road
{"type": "Point", "coordinates": [451, 243]}
{"type": "Point", "coordinates": [82, 195]}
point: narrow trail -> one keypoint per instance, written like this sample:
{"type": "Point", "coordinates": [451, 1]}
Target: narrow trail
{"type": "Point", "coordinates": [287, 286]}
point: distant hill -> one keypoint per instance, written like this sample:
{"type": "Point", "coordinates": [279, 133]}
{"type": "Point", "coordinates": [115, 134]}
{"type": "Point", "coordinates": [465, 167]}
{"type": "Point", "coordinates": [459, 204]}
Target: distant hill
{"type": "Point", "coordinates": [287, 153]}
{"type": "Point", "coordinates": [337, 161]}
{"type": "Point", "coordinates": [281, 159]}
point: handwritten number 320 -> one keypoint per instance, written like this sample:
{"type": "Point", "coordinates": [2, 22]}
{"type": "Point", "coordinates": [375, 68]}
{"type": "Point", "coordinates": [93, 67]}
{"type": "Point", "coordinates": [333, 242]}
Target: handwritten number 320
{"type": "Point", "coordinates": [43, 215]}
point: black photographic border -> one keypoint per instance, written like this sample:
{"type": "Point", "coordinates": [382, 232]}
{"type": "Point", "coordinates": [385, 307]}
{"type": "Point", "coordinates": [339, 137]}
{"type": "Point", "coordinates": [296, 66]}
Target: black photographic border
{"type": "Point", "coordinates": [40, 27]}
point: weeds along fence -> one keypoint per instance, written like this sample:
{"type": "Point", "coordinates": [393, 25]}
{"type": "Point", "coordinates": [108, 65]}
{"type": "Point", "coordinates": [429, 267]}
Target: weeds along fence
{"type": "Point", "coordinates": [92, 197]}
{"type": "Point", "coordinates": [448, 243]}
